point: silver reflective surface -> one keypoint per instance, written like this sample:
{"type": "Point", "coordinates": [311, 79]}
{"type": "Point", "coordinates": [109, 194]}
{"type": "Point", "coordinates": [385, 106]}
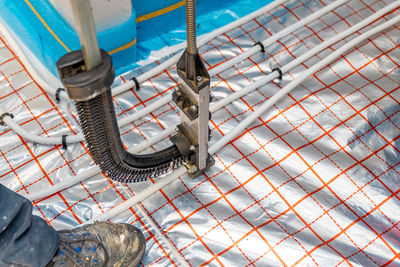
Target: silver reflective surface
{"type": "Point", "coordinates": [315, 181]}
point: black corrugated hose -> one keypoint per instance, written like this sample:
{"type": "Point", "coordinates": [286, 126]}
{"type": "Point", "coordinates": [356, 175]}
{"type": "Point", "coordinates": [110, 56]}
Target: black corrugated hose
{"type": "Point", "coordinates": [91, 91]}
{"type": "Point", "coordinates": [99, 124]}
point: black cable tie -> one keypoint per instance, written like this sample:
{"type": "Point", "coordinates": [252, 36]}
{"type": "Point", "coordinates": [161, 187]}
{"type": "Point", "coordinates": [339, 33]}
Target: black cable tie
{"type": "Point", "coordinates": [280, 73]}
{"type": "Point", "coordinates": [261, 45]}
{"type": "Point", "coordinates": [57, 96]}
{"type": "Point", "coordinates": [64, 141]}
{"type": "Point", "coordinates": [137, 85]}
{"type": "Point", "coordinates": [2, 116]}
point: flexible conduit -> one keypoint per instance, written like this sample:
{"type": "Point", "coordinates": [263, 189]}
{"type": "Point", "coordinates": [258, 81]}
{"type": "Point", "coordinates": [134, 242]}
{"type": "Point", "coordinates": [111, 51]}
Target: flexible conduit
{"type": "Point", "coordinates": [245, 123]}
{"type": "Point", "coordinates": [168, 98]}
{"type": "Point", "coordinates": [69, 181]}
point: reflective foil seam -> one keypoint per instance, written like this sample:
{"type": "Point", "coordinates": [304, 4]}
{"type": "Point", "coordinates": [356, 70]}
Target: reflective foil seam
{"type": "Point", "coordinates": [315, 181]}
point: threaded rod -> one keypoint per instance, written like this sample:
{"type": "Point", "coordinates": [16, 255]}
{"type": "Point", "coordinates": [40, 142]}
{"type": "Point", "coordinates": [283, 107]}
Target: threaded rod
{"type": "Point", "coordinates": [191, 26]}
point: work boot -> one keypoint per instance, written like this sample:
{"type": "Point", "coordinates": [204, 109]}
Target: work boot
{"type": "Point", "coordinates": [100, 244]}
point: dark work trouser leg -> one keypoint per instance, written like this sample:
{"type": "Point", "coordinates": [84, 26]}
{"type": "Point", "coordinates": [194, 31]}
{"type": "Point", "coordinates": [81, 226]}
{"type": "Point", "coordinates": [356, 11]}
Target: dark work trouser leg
{"type": "Point", "coordinates": [24, 239]}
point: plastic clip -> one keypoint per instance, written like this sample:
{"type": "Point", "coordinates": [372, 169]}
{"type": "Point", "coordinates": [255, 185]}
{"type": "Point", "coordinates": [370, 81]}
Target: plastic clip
{"type": "Point", "coordinates": [2, 116]}
{"type": "Point", "coordinates": [280, 73]}
{"type": "Point", "coordinates": [261, 45]}
{"type": "Point", "coordinates": [57, 95]}
{"type": "Point", "coordinates": [137, 85]}
{"type": "Point", "coordinates": [64, 141]}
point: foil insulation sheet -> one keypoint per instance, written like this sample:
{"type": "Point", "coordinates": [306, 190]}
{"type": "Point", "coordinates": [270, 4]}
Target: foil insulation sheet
{"type": "Point", "coordinates": [314, 181]}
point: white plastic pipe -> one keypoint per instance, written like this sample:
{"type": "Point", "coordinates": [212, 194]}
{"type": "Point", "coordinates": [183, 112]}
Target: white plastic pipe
{"type": "Point", "coordinates": [36, 138]}
{"type": "Point", "coordinates": [141, 196]}
{"type": "Point", "coordinates": [167, 98]}
{"type": "Point", "coordinates": [304, 75]}
{"type": "Point", "coordinates": [224, 66]}
{"type": "Point", "coordinates": [51, 89]}
{"type": "Point", "coordinates": [269, 41]}
{"type": "Point", "coordinates": [201, 41]}
{"type": "Point", "coordinates": [145, 111]}
{"type": "Point", "coordinates": [170, 131]}
{"type": "Point", "coordinates": [274, 75]}
{"type": "Point", "coordinates": [250, 52]}
{"type": "Point", "coordinates": [178, 256]}
{"type": "Point", "coordinates": [152, 140]}
{"type": "Point", "coordinates": [245, 123]}
{"type": "Point", "coordinates": [71, 139]}
{"type": "Point", "coordinates": [67, 182]}
{"type": "Point", "coordinates": [50, 86]}
{"type": "Point", "coordinates": [304, 57]}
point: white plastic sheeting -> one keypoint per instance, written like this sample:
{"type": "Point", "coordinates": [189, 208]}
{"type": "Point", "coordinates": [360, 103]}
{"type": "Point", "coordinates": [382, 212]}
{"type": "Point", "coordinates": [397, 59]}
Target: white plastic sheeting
{"type": "Point", "coordinates": [313, 182]}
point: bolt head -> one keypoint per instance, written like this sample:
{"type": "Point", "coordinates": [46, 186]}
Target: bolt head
{"type": "Point", "coordinates": [193, 108]}
{"type": "Point", "coordinates": [199, 78]}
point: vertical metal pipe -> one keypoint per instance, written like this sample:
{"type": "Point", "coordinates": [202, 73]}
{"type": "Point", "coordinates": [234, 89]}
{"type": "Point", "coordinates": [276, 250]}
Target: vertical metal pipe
{"type": "Point", "coordinates": [87, 33]}
{"type": "Point", "coordinates": [191, 26]}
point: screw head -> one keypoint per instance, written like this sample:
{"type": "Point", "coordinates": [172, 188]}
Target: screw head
{"type": "Point", "coordinates": [193, 108]}
{"type": "Point", "coordinates": [199, 78]}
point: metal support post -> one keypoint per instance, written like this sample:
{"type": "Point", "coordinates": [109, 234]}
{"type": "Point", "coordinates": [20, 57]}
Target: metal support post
{"type": "Point", "coordinates": [193, 96]}
{"type": "Point", "coordinates": [87, 33]}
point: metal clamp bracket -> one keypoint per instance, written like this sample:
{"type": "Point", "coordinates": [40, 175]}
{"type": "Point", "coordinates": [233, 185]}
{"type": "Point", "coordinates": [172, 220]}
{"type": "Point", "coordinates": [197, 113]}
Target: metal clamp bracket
{"type": "Point", "coordinates": [82, 84]}
{"type": "Point", "coordinates": [192, 96]}
{"type": "Point", "coordinates": [185, 103]}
